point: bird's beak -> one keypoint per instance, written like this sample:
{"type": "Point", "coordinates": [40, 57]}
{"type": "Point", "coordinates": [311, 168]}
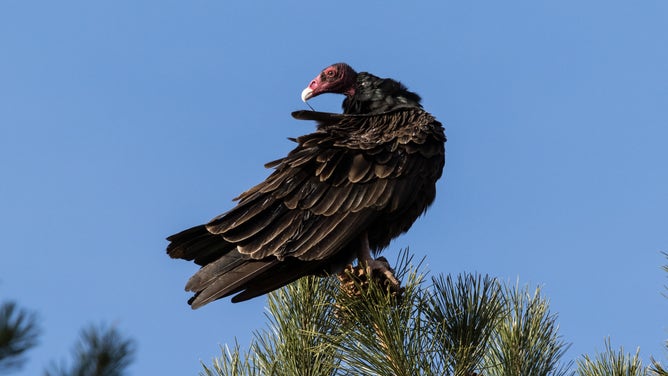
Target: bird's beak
{"type": "Point", "coordinates": [307, 94]}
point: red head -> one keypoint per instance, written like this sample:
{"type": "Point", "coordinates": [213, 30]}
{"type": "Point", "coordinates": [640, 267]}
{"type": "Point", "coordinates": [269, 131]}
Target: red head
{"type": "Point", "coordinates": [338, 78]}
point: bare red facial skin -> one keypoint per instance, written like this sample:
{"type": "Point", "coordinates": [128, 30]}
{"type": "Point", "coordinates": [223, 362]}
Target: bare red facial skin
{"type": "Point", "coordinates": [338, 78]}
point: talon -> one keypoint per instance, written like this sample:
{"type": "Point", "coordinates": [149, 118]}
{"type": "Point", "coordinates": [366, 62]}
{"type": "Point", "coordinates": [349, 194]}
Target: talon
{"type": "Point", "coordinates": [381, 267]}
{"type": "Point", "coordinates": [354, 280]}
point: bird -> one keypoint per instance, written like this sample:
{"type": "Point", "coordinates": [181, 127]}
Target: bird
{"type": "Point", "coordinates": [361, 179]}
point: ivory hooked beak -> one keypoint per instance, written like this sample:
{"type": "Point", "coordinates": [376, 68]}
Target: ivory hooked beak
{"type": "Point", "coordinates": [306, 94]}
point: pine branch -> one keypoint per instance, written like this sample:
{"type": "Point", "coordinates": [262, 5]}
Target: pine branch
{"type": "Point", "coordinates": [526, 342]}
{"type": "Point", "coordinates": [384, 333]}
{"type": "Point", "coordinates": [465, 313]}
{"type": "Point", "coordinates": [18, 333]}
{"type": "Point", "coordinates": [611, 363]}
{"type": "Point", "coordinates": [301, 323]}
{"type": "Point", "coordinates": [231, 363]}
{"type": "Point", "coordinates": [657, 369]}
{"type": "Point", "coordinates": [300, 317]}
{"type": "Point", "coordinates": [101, 351]}
{"type": "Point", "coordinates": [463, 326]}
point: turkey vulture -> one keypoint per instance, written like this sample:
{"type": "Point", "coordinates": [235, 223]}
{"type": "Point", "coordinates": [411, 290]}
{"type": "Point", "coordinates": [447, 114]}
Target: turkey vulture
{"type": "Point", "coordinates": [345, 191]}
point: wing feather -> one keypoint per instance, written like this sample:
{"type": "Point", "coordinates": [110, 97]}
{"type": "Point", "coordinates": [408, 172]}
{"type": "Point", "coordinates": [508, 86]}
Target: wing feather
{"type": "Point", "coordinates": [360, 200]}
{"type": "Point", "coordinates": [340, 198]}
{"type": "Point", "coordinates": [311, 200]}
{"type": "Point", "coordinates": [328, 167]}
{"type": "Point", "coordinates": [359, 189]}
{"type": "Point", "coordinates": [358, 168]}
{"type": "Point", "coordinates": [269, 242]}
{"type": "Point", "coordinates": [245, 230]}
{"type": "Point", "coordinates": [331, 234]}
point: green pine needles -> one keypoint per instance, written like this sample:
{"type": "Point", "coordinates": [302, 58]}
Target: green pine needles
{"type": "Point", "coordinates": [612, 362]}
{"type": "Point", "coordinates": [464, 326]}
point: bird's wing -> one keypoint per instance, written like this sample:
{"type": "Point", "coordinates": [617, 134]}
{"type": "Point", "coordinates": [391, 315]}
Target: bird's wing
{"type": "Point", "coordinates": [328, 189]}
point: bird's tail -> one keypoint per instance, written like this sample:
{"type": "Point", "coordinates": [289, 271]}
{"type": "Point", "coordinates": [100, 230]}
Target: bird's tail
{"type": "Point", "coordinates": [199, 245]}
{"type": "Point", "coordinates": [225, 270]}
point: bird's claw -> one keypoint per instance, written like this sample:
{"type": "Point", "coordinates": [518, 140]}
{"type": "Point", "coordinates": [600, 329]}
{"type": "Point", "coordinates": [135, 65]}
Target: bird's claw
{"type": "Point", "coordinates": [380, 268]}
{"type": "Point", "coordinates": [355, 280]}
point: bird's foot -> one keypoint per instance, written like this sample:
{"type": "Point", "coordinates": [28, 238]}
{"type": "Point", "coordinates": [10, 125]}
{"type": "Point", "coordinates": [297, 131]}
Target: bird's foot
{"type": "Point", "coordinates": [355, 280]}
{"type": "Point", "coordinates": [380, 270]}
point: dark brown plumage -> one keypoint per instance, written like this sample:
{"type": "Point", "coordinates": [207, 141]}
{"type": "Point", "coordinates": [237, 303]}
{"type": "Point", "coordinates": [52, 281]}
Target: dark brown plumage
{"type": "Point", "coordinates": [360, 180]}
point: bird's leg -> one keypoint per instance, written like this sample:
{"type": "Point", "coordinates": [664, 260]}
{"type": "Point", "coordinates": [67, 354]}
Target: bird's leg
{"type": "Point", "coordinates": [364, 251]}
{"type": "Point", "coordinates": [370, 264]}
{"type": "Point", "coordinates": [355, 280]}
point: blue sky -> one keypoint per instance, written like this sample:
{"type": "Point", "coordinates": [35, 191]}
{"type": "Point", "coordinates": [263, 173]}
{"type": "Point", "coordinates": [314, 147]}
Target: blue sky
{"type": "Point", "coordinates": [124, 122]}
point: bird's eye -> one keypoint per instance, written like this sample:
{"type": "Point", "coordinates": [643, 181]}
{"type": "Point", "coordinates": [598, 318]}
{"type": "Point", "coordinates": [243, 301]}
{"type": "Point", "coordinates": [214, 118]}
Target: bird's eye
{"type": "Point", "coordinates": [330, 73]}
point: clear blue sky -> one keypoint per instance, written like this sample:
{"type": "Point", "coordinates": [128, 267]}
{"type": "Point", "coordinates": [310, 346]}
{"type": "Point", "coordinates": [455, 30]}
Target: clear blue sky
{"type": "Point", "coordinates": [122, 122]}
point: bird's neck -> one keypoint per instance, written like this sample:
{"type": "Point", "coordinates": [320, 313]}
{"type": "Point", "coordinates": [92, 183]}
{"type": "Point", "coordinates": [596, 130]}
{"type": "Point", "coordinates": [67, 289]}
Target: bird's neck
{"type": "Point", "coordinates": [372, 95]}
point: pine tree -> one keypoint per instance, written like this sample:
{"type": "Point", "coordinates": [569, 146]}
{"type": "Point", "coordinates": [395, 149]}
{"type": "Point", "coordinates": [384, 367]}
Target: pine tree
{"type": "Point", "coordinates": [464, 326]}
{"type": "Point", "coordinates": [611, 363]}
{"type": "Point", "coordinates": [19, 332]}
{"type": "Point", "coordinates": [101, 351]}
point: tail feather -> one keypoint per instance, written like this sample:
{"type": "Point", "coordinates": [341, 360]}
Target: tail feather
{"type": "Point", "coordinates": [199, 245]}
{"type": "Point", "coordinates": [225, 271]}
{"type": "Point", "coordinates": [281, 275]}
{"type": "Point", "coordinates": [232, 263]}
{"type": "Point", "coordinates": [210, 287]}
